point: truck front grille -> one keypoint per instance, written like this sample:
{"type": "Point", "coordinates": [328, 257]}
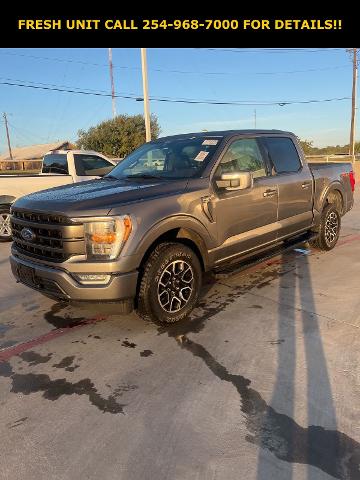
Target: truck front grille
{"type": "Point", "coordinates": [53, 237]}
{"type": "Point", "coordinates": [41, 217]}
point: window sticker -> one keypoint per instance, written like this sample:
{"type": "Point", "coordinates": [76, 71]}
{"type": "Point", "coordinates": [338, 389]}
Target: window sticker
{"type": "Point", "coordinates": [210, 141]}
{"type": "Point", "coordinates": [200, 157]}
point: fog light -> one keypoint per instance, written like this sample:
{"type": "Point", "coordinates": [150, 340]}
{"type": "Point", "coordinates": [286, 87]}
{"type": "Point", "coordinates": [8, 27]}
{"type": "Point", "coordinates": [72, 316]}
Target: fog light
{"type": "Point", "coordinates": [86, 278]}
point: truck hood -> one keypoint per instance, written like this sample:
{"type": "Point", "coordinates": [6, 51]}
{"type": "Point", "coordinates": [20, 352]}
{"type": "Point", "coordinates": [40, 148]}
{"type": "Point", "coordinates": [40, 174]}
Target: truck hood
{"type": "Point", "coordinates": [97, 197]}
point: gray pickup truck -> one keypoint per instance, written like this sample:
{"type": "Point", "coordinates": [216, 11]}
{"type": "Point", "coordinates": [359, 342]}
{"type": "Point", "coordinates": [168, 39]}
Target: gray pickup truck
{"type": "Point", "coordinates": [175, 208]}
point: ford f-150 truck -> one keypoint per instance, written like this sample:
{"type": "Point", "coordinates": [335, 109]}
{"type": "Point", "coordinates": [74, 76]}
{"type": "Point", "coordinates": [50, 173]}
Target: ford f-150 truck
{"type": "Point", "coordinates": [59, 167]}
{"type": "Point", "coordinates": [173, 209]}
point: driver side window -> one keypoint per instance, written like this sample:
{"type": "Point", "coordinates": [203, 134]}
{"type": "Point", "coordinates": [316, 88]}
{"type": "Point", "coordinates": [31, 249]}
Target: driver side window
{"type": "Point", "coordinates": [243, 155]}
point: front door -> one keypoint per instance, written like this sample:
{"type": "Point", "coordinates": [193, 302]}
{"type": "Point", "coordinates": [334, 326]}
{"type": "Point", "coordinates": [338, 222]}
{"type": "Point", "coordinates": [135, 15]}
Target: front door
{"type": "Point", "coordinates": [245, 219]}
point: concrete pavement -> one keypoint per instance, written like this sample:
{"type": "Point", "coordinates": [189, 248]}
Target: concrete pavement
{"type": "Point", "coordinates": [261, 383]}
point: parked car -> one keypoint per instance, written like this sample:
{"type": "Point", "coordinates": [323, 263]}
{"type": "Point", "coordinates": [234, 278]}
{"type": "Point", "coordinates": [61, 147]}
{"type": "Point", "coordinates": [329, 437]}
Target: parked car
{"type": "Point", "coordinates": [144, 235]}
{"type": "Point", "coordinates": [59, 167]}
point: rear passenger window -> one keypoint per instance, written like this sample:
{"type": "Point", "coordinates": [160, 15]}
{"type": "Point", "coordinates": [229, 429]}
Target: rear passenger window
{"type": "Point", "coordinates": [283, 155]}
{"type": "Point", "coordinates": [55, 163]}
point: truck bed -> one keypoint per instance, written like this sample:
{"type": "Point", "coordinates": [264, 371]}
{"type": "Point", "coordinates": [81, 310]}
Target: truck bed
{"type": "Point", "coordinates": [24, 184]}
{"type": "Point", "coordinates": [326, 173]}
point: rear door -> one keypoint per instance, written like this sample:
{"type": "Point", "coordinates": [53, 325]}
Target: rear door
{"type": "Point", "coordinates": [245, 219]}
{"type": "Point", "coordinates": [295, 185]}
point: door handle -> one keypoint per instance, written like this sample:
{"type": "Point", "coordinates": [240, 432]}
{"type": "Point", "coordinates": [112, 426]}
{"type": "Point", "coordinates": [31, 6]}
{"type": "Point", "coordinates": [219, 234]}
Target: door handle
{"type": "Point", "coordinates": [270, 193]}
{"type": "Point", "coordinates": [305, 185]}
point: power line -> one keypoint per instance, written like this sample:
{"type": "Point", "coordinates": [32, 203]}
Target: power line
{"type": "Point", "coordinates": [300, 71]}
{"type": "Point", "coordinates": [179, 100]}
{"type": "Point", "coordinates": [98, 91]}
{"type": "Point", "coordinates": [57, 85]}
{"type": "Point", "coordinates": [185, 72]}
{"type": "Point", "coordinates": [67, 90]}
{"type": "Point", "coordinates": [26, 134]}
{"type": "Point", "coordinates": [17, 132]}
{"type": "Point", "coordinates": [21, 138]}
{"type": "Point", "coordinates": [59, 101]}
{"type": "Point", "coordinates": [271, 50]}
{"type": "Point", "coordinates": [64, 60]}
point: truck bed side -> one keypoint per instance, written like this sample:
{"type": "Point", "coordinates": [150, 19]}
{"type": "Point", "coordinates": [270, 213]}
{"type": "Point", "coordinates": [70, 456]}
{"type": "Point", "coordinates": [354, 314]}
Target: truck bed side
{"type": "Point", "coordinates": [332, 177]}
{"type": "Point", "coordinates": [20, 185]}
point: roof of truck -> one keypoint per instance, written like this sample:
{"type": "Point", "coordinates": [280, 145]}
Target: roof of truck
{"type": "Point", "coordinates": [224, 133]}
{"type": "Point", "coordinates": [82, 152]}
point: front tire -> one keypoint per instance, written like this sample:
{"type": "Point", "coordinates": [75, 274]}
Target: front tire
{"type": "Point", "coordinates": [329, 229]}
{"type": "Point", "coordinates": [170, 284]}
{"type": "Point", "coordinates": [5, 228]}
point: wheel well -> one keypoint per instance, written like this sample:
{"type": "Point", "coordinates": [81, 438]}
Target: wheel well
{"type": "Point", "coordinates": [335, 198]}
{"type": "Point", "coordinates": [6, 200]}
{"type": "Point", "coordinates": [177, 235]}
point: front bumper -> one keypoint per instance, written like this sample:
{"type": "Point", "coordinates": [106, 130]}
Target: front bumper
{"type": "Point", "coordinates": [59, 284]}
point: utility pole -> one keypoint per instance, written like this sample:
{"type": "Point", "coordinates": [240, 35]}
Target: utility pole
{"type": "Point", "coordinates": [7, 135]}
{"type": "Point", "coordinates": [146, 95]}
{"type": "Point", "coordinates": [353, 105]}
{"type": "Point", "coordinates": [112, 83]}
{"type": "Point", "coordinates": [255, 117]}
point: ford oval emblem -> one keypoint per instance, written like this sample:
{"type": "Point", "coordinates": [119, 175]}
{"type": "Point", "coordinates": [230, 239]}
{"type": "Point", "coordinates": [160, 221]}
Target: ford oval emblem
{"type": "Point", "coordinates": [28, 234]}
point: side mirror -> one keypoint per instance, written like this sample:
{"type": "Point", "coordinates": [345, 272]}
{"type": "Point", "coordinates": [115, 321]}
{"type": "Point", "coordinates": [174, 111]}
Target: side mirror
{"type": "Point", "coordinates": [235, 181]}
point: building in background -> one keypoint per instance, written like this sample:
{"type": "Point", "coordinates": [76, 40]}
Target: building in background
{"type": "Point", "coordinates": [30, 157]}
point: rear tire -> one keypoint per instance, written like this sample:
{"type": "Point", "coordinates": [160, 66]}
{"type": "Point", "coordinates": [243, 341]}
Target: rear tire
{"type": "Point", "coordinates": [329, 229]}
{"type": "Point", "coordinates": [5, 228]}
{"type": "Point", "coordinates": [170, 284]}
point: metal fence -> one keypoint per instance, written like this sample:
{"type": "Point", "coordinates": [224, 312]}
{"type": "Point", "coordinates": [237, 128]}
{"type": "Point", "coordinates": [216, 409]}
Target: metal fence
{"type": "Point", "coordinates": [331, 158]}
{"type": "Point", "coordinates": [8, 165]}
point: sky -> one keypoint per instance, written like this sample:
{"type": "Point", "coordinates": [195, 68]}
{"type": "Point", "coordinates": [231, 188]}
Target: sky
{"type": "Point", "coordinates": [236, 75]}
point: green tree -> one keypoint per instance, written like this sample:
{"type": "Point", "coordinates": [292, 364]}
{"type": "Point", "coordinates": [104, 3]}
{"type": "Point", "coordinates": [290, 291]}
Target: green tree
{"type": "Point", "coordinates": [309, 149]}
{"type": "Point", "coordinates": [307, 146]}
{"type": "Point", "coordinates": [117, 137]}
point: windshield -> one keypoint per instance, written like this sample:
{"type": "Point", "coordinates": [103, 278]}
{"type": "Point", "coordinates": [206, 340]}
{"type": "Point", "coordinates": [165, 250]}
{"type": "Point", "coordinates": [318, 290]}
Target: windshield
{"type": "Point", "coordinates": [176, 159]}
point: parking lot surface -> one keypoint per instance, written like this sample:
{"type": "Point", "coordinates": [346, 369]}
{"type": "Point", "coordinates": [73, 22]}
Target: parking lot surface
{"type": "Point", "coordinates": [262, 382]}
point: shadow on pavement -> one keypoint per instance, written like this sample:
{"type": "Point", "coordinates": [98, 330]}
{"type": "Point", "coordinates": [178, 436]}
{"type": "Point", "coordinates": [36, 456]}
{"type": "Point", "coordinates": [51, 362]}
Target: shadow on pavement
{"type": "Point", "coordinates": [268, 426]}
{"type": "Point", "coordinates": [327, 449]}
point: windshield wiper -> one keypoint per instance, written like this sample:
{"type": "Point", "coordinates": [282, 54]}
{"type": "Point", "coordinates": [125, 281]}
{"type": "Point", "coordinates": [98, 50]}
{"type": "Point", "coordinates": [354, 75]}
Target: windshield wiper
{"type": "Point", "coordinates": [143, 175]}
{"type": "Point", "coordinates": [112, 177]}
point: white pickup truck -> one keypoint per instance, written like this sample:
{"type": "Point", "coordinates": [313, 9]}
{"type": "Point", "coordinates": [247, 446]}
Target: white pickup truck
{"type": "Point", "coordinates": [60, 167]}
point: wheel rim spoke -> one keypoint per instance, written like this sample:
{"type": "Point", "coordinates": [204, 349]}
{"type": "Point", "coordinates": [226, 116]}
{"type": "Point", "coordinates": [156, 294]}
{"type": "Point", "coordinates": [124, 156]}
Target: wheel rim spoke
{"type": "Point", "coordinates": [331, 228]}
{"type": "Point", "coordinates": [5, 227]}
{"type": "Point", "coordinates": [175, 286]}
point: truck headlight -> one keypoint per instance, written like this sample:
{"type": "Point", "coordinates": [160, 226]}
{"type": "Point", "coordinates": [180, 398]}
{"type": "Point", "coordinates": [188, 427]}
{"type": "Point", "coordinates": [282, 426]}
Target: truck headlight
{"type": "Point", "coordinates": [104, 238]}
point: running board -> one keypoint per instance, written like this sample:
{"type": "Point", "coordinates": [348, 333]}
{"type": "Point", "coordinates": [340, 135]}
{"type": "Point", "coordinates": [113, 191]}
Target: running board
{"type": "Point", "coordinates": [255, 259]}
